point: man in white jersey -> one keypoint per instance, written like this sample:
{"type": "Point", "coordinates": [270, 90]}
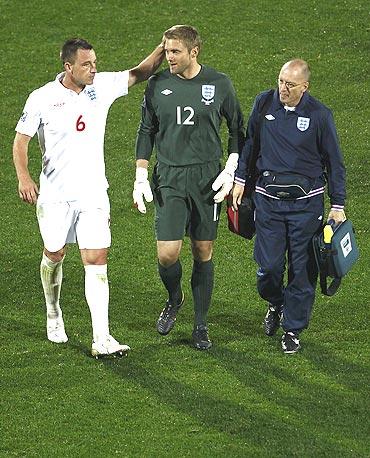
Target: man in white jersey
{"type": "Point", "coordinates": [69, 115]}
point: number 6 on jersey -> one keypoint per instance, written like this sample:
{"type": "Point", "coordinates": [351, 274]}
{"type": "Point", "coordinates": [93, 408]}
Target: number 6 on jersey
{"type": "Point", "coordinates": [80, 125]}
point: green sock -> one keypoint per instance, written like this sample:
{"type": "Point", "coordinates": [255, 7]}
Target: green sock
{"type": "Point", "coordinates": [171, 278]}
{"type": "Point", "coordinates": [202, 287]}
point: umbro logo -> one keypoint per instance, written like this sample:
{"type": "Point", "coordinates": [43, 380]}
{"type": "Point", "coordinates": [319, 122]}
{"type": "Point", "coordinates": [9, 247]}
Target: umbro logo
{"type": "Point", "coordinates": [166, 92]}
{"type": "Point", "coordinates": [269, 117]}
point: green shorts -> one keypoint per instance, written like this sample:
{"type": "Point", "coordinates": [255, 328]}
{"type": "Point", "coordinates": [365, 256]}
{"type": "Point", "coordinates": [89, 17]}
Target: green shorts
{"type": "Point", "coordinates": [184, 205]}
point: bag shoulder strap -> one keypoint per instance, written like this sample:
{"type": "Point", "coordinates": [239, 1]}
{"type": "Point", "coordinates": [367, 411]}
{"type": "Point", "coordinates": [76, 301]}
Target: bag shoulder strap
{"type": "Point", "coordinates": [263, 107]}
{"type": "Point", "coordinates": [334, 285]}
{"type": "Point", "coordinates": [323, 264]}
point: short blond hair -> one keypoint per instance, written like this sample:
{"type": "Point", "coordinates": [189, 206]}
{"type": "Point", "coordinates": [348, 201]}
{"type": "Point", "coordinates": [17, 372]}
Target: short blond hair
{"type": "Point", "coordinates": [186, 34]}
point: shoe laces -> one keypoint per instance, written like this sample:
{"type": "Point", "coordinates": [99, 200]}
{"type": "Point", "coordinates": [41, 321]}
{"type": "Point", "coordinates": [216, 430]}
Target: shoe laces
{"type": "Point", "coordinates": [275, 308]}
{"type": "Point", "coordinates": [202, 333]}
{"type": "Point", "coordinates": [293, 336]}
{"type": "Point", "coordinates": [166, 312]}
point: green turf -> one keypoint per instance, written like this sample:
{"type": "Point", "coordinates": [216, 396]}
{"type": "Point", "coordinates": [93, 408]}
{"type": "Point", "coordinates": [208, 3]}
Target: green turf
{"type": "Point", "coordinates": [243, 398]}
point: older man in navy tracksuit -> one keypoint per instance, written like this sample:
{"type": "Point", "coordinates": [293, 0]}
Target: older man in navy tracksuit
{"type": "Point", "coordinates": [298, 154]}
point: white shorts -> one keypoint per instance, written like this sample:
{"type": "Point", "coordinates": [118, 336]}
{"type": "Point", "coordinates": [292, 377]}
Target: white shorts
{"type": "Point", "coordinates": [71, 222]}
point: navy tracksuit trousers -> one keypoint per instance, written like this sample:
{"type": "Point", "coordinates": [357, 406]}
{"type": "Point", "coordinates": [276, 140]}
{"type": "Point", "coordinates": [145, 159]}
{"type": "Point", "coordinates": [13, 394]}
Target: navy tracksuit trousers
{"type": "Point", "coordinates": [284, 231]}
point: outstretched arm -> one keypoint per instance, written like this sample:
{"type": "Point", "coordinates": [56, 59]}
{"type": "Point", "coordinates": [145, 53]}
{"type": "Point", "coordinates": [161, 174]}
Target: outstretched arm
{"type": "Point", "coordinates": [147, 67]}
{"type": "Point", "coordinates": [27, 188]}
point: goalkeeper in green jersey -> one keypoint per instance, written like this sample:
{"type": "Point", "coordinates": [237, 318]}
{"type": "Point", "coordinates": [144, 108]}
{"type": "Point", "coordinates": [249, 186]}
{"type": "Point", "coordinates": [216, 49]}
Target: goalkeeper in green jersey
{"type": "Point", "coordinates": [181, 117]}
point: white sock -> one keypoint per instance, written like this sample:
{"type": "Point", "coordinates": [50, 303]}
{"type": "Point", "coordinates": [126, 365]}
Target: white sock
{"type": "Point", "coordinates": [97, 297]}
{"type": "Point", "coordinates": [51, 274]}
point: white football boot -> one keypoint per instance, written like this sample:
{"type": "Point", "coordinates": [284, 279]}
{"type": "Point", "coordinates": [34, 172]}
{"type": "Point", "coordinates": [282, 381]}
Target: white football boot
{"type": "Point", "coordinates": [108, 346]}
{"type": "Point", "coordinates": [55, 330]}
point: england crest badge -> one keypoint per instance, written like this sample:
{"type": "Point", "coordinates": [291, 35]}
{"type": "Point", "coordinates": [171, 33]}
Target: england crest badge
{"type": "Point", "coordinates": [91, 93]}
{"type": "Point", "coordinates": [303, 123]}
{"type": "Point", "coordinates": [23, 117]}
{"type": "Point", "coordinates": [208, 93]}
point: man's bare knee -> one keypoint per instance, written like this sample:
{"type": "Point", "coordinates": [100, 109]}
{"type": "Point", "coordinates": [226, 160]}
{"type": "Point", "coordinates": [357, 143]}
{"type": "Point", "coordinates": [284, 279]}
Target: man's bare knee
{"type": "Point", "coordinates": [168, 252]}
{"type": "Point", "coordinates": [202, 250]}
{"type": "Point", "coordinates": [56, 256]}
{"type": "Point", "coordinates": [94, 256]}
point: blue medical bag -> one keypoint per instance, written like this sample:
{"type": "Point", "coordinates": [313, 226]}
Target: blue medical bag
{"type": "Point", "coordinates": [336, 252]}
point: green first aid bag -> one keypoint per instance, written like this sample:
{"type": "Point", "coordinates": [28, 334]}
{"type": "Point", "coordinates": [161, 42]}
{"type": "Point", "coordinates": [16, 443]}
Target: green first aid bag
{"type": "Point", "coordinates": [336, 252]}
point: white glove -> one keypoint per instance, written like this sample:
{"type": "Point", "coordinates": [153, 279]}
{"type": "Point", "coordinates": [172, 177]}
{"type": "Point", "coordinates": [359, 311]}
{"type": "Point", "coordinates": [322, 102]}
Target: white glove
{"type": "Point", "coordinates": [141, 189]}
{"type": "Point", "coordinates": [225, 179]}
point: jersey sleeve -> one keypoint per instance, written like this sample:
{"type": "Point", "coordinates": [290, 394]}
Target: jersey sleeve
{"type": "Point", "coordinates": [30, 119]}
{"type": "Point", "coordinates": [241, 171]}
{"type": "Point", "coordinates": [148, 126]}
{"type": "Point", "coordinates": [334, 161]}
{"type": "Point", "coordinates": [114, 84]}
{"type": "Point", "coordinates": [231, 111]}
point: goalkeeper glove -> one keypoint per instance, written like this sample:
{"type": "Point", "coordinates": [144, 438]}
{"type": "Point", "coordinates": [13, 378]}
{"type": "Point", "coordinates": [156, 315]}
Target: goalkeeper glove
{"type": "Point", "coordinates": [225, 179]}
{"type": "Point", "coordinates": [141, 189]}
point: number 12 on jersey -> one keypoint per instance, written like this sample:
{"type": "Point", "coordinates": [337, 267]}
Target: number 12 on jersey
{"type": "Point", "coordinates": [184, 116]}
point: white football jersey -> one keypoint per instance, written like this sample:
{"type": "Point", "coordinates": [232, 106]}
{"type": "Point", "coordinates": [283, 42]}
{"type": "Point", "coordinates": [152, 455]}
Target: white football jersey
{"type": "Point", "coordinates": [70, 130]}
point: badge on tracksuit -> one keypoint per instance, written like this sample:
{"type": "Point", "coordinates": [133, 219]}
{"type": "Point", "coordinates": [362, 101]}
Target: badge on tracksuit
{"type": "Point", "coordinates": [303, 123]}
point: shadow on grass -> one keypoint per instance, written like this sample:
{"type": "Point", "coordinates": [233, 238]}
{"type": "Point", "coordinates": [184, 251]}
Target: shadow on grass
{"type": "Point", "coordinates": [315, 400]}
{"type": "Point", "coordinates": [281, 405]}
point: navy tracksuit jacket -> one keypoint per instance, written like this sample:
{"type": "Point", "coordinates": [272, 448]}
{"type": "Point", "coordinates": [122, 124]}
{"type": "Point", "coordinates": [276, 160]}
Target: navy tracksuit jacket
{"type": "Point", "coordinates": [302, 142]}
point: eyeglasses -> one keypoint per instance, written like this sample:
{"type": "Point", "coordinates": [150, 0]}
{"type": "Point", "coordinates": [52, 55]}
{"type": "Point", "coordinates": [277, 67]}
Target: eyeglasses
{"type": "Point", "coordinates": [288, 84]}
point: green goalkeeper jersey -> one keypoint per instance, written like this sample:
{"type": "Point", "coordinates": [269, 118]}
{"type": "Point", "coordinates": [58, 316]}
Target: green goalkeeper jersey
{"type": "Point", "coordinates": [182, 118]}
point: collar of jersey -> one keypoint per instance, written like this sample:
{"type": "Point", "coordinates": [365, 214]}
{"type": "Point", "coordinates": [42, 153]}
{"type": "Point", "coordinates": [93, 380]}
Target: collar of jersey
{"type": "Point", "coordinates": [63, 88]}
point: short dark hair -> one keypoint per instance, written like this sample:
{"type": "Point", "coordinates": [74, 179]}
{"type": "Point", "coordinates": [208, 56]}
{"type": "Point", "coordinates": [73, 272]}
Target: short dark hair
{"type": "Point", "coordinates": [186, 33]}
{"type": "Point", "coordinates": [70, 47]}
